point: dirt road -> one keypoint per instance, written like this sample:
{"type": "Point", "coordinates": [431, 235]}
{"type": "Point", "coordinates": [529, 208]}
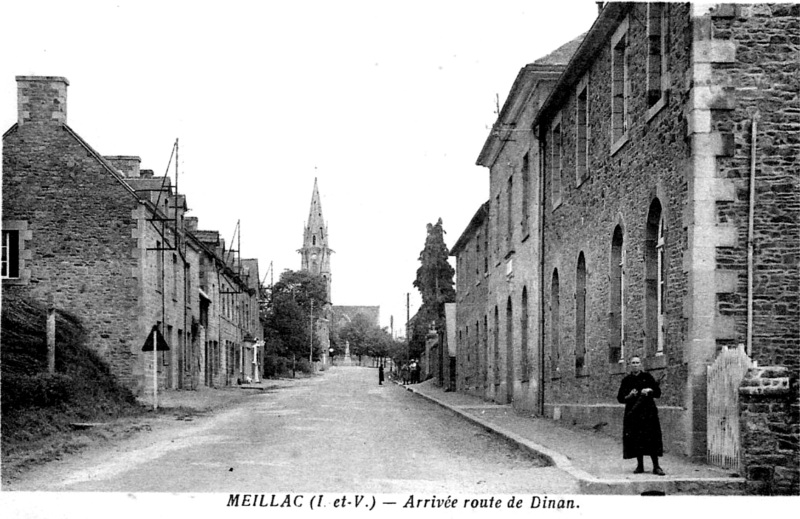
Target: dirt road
{"type": "Point", "coordinates": [339, 432]}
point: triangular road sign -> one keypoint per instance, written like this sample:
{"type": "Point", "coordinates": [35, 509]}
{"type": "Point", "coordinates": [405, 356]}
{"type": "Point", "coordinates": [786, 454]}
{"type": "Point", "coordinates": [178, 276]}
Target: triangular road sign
{"type": "Point", "coordinates": [161, 343]}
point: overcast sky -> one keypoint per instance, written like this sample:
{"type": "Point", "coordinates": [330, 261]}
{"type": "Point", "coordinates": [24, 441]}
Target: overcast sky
{"type": "Point", "coordinates": [387, 104]}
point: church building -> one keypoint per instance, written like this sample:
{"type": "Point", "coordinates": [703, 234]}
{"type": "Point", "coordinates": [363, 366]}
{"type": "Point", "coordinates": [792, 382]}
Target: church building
{"type": "Point", "coordinates": [316, 259]}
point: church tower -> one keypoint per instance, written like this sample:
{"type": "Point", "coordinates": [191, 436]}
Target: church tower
{"type": "Point", "coordinates": [315, 254]}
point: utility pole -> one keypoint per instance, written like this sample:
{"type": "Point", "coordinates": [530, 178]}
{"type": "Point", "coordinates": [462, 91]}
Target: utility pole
{"type": "Point", "coordinates": [311, 335]}
{"type": "Point", "coordinates": [408, 318]}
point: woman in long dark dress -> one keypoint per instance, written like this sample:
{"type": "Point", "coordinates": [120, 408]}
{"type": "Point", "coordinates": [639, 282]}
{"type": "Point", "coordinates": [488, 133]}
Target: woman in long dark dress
{"type": "Point", "coordinates": [641, 429]}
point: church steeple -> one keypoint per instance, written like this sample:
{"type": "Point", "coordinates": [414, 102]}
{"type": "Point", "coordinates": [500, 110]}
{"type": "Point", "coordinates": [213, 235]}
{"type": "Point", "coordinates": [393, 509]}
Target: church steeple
{"type": "Point", "coordinates": [315, 252]}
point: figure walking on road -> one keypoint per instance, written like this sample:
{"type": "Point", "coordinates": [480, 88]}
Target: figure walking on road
{"type": "Point", "coordinates": [404, 374]}
{"type": "Point", "coordinates": [641, 429]}
{"type": "Point", "coordinates": [380, 375]}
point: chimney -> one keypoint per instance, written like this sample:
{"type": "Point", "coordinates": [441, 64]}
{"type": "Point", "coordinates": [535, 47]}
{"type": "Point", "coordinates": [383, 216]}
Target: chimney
{"type": "Point", "coordinates": [41, 99]}
{"type": "Point", "coordinates": [146, 173]}
{"type": "Point", "coordinates": [128, 165]}
{"type": "Point", "coordinates": [190, 222]}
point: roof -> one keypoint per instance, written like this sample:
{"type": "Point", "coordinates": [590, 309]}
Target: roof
{"type": "Point", "coordinates": [480, 215]}
{"type": "Point", "coordinates": [547, 68]}
{"type": "Point", "coordinates": [593, 42]}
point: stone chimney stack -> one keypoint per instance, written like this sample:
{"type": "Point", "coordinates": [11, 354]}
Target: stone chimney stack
{"type": "Point", "coordinates": [146, 173]}
{"type": "Point", "coordinates": [125, 164]}
{"type": "Point", "coordinates": [190, 223]}
{"type": "Point", "coordinates": [41, 100]}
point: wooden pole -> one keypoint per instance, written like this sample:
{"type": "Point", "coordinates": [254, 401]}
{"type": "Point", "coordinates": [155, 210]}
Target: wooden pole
{"type": "Point", "coordinates": [155, 370]}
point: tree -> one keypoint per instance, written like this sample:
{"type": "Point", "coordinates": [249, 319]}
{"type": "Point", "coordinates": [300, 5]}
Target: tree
{"type": "Point", "coordinates": [435, 284]}
{"type": "Point", "coordinates": [358, 332]}
{"type": "Point", "coordinates": [287, 320]}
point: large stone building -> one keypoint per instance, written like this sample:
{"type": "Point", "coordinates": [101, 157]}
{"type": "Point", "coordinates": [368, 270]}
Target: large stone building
{"type": "Point", "coordinates": [643, 201]}
{"type": "Point", "coordinates": [100, 238]}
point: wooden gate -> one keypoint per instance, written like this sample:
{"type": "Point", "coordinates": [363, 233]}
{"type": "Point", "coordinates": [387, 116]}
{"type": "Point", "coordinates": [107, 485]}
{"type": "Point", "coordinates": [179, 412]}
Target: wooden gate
{"type": "Point", "coordinates": [724, 377]}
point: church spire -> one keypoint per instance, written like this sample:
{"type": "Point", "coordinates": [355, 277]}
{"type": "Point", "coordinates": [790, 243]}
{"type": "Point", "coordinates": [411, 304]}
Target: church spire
{"type": "Point", "coordinates": [315, 252]}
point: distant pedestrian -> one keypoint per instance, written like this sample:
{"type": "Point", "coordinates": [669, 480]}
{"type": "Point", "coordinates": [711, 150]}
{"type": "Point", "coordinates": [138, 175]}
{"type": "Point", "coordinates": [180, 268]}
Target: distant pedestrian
{"type": "Point", "coordinates": [380, 375]}
{"type": "Point", "coordinates": [641, 429]}
{"type": "Point", "coordinates": [414, 372]}
{"type": "Point", "coordinates": [404, 373]}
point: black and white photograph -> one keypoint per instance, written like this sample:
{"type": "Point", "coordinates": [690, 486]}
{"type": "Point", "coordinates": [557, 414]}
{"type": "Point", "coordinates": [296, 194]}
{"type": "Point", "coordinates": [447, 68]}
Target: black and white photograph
{"type": "Point", "coordinates": [439, 259]}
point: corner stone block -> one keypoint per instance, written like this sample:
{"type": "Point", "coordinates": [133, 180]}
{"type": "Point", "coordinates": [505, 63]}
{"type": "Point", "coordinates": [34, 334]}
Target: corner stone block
{"type": "Point", "coordinates": [724, 327]}
{"type": "Point", "coordinates": [726, 281]}
{"type": "Point", "coordinates": [715, 51]}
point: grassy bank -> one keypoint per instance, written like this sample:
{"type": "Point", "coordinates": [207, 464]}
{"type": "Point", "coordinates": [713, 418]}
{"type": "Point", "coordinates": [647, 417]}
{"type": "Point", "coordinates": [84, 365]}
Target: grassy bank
{"type": "Point", "coordinates": [39, 411]}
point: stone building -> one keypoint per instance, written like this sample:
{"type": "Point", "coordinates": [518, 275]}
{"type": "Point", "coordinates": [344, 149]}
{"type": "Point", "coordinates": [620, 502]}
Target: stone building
{"type": "Point", "coordinates": [316, 259]}
{"type": "Point", "coordinates": [471, 320]}
{"type": "Point", "coordinates": [656, 173]}
{"type": "Point", "coordinates": [110, 243]}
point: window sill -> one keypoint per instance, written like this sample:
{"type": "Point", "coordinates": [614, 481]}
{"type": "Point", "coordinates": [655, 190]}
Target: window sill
{"type": "Point", "coordinates": [660, 104]}
{"type": "Point", "coordinates": [557, 203]}
{"type": "Point", "coordinates": [15, 281]}
{"type": "Point", "coordinates": [579, 181]}
{"type": "Point", "coordinates": [657, 362]}
{"type": "Point", "coordinates": [616, 368]}
{"type": "Point", "coordinates": [619, 143]}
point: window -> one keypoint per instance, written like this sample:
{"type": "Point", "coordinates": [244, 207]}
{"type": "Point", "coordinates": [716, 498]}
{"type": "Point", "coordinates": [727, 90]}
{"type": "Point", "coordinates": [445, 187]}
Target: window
{"type": "Point", "coordinates": [526, 186]}
{"type": "Point", "coordinates": [523, 327]}
{"type": "Point", "coordinates": [478, 257]}
{"type": "Point", "coordinates": [555, 325]}
{"type": "Point", "coordinates": [159, 267]}
{"type": "Point", "coordinates": [654, 279]}
{"type": "Point", "coordinates": [497, 227]}
{"type": "Point", "coordinates": [10, 260]}
{"type": "Point", "coordinates": [657, 55]}
{"type": "Point", "coordinates": [174, 277]}
{"type": "Point", "coordinates": [509, 211]}
{"type": "Point", "coordinates": [619, 87]}
{"type": "Point", "coordinates": [580, 315]}
{"type": "Point", "coordinates": [556, 163]}
{"type": "Point", "coordinates": [485, 367]}
{"type": "Point", "coordinates": [616, 352]}
{"type": "Point", "coordinates": [496, 346]}
{"type": "Point", "coordinates": [486, 250]}
{"type": "Point", "coordinates": [582, 137]}
{"type": "Point", "coordinates": [509, 351]}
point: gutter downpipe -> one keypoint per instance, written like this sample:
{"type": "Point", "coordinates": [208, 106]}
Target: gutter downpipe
{"type": "Point", "coordinates": [750, 236]}
{"type": "Point", "coordinates": [540, 181]}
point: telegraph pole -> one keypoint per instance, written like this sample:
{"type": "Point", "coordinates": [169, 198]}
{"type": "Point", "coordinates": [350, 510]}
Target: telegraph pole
{"type": "Point", "coordinates": [311, 335]}
{"type": "Point", "coordinates": [408, 318]}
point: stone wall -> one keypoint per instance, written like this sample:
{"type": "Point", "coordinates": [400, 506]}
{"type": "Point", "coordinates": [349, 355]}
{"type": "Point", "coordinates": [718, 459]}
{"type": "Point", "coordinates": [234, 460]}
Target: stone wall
{"type": "Point", "coordinates": [81, 222]}
{"type": "Point", "coordinates": [764, 81]}
{"type": "Point", "coordinates": [622, 183]}
{"type": "Point", "coordinates": [471, 320]}
{"type": "Point", "coordinates": [769, 411]}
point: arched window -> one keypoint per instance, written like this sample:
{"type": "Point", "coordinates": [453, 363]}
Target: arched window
{"type": "Point", "coordinates": [496, 367]}
{"type": "Point", "coordinates": [616, 336]}
{"type": "Point", "coordinates": [580, 314]}
{"type": "Point", "coordinates": [475, 359]}
{"type": "Point", "coordinates": [485, 366]}
{"type": "Point", "coordinates": [555, 325]}
{"type": "Point", "coordinates": [654, 279]}
{"type": "Point", "coordinates": [523, 328]}
{"type": "Point", "coordinates": [509, 351]}
{"type": "Point", "coordinates": [314, 240]}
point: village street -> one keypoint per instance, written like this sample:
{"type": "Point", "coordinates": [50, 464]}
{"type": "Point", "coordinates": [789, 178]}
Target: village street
{"type": "Point", "coordinates": [338, 431]}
